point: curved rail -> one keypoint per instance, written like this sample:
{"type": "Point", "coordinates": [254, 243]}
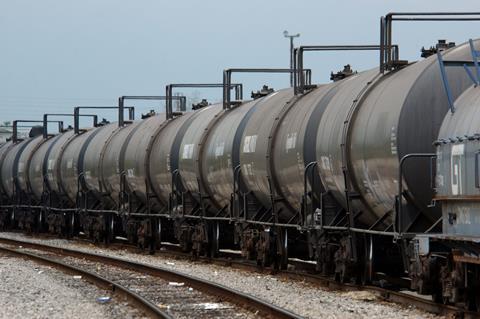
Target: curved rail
{"type": "Point", "coordinates": [304, 273]}
{"type": "Point", "coordinates": [243, 300]}
{"type": "Point", "coordinates": [147, 306]}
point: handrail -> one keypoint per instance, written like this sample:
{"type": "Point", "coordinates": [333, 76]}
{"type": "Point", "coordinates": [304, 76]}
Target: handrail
{"type": "Point", "coordinates": [465, 64]}
{"type": "Point", "coordinates": [399, 219]}
{"type": "Point", "coordinates": [299, 52]}
{"type": "Point", "coordinates": [169, 92]}
{"type": "Point", "coordinates": [181, 98]}
{"type": "Point", "coordinates": [121, 122]}
{"type": "Point", "coordinates": [227, 79]}
{"type": "Point", "coordinates": [386, 22]}
{"type": "Point", "coordinates": [15, 138]}
{"type": "Point", "coordinates": [45, 120]}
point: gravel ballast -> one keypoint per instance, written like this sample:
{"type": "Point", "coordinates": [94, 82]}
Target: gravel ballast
{"type": "Point", "coordinates": [31, 290]}
{"type": "Point", "coordinates": [302, 298]}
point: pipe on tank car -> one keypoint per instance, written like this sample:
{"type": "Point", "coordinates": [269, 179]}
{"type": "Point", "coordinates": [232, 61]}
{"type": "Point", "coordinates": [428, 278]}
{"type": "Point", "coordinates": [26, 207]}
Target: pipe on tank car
{"type": "Point", "coordinates": [121, 108]}
{"type": "Point", "coordinates": [299, 84]}
{"type": "Point", "coordinates": [15, 127]}
{"type": "Point", "coordinates": [181, 98]}
{"type": "Point", "coordinates": [386, 29]}
{"type": "Point", "coordinates": [45, 121]}
{"type": "Point", "coordinates": [227, 79]}
{"type": "Point", "coordinates": [238, 87]}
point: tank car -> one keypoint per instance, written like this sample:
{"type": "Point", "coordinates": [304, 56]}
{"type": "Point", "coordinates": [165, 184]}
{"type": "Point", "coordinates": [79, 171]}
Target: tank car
{"type": "Point", "coordinates": [337, 172]}
{"type": "Point", "coordinates": [446, 264]}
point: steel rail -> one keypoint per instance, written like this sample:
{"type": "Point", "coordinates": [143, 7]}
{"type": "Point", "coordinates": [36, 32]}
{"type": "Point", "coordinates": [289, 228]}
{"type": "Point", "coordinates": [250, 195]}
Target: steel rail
{"type": "Point", "coordinates": [304, 271]}
{"type": "Point", "coordinates": [241, 299]}
{"type": "Point", "coordinates": [148, 307]}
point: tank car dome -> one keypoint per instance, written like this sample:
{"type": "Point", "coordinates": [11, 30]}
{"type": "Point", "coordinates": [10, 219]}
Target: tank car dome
{"type": "Point", "coordinates": [458, 158]}
{"type": "Point", "coordinates": [464, 121]}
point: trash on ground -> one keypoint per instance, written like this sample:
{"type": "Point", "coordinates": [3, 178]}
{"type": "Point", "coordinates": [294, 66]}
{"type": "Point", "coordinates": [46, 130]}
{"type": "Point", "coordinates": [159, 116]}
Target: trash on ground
{"type": "Point", "coordinates": [162, 306]}
{"type": "Point", "coordinates": [176, 284]}
{"type": "Point", "coordinates": [104, 299]}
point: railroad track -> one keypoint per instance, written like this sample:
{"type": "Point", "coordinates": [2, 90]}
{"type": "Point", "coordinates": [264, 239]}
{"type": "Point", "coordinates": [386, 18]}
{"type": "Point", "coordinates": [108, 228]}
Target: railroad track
{"type": "Point", "coordinates": [301, 274]}
{"type": "Point", "coordinates": [159, 292]}
{"type": "Point", "coordinates": [304, 273]}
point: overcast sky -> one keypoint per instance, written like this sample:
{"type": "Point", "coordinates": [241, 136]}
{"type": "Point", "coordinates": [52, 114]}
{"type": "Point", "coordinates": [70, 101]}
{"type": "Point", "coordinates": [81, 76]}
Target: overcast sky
{"type": "Point", "coordinates": [56, 54]}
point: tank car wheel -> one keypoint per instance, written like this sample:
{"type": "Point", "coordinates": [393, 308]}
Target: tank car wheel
{"type": "Point", "coordinates": [109, 228]}
{"type": "Point", "coordinates": [283, 248]}
{"type": "Point", "coordinates": [158, 234]}
{"type": "Point", "coordinates": [214, 242]}
{"type": "Point", "coordinates": [71, 225]}
{"type": "Point", "coordinates": [366, 273]}
{"type": "Point", "coordinates": [340, 276]}
{"type": "Point", "coordinates": [12, 219]}
{"type": "Point", "coordinates": [39, 222]}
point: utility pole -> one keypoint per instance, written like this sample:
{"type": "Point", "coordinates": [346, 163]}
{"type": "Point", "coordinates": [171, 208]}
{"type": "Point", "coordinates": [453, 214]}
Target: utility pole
{"type": "Point", "coordinates": [291, 37]}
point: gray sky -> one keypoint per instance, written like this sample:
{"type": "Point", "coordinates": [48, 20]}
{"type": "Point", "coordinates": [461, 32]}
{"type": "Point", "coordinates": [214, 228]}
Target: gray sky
{"type": "Point", "coordinates": [57, 54]}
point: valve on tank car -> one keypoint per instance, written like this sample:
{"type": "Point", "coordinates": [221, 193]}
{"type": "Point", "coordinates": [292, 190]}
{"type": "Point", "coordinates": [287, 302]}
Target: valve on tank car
{"type": "Point", "coordinates": [263, 92]}
{"type": "Point", "coordinates": [201, 104]}
{"type": "Point", "coordinates": [148, 114]}
{"type": "Point", "coordinates": [340, 75]}
{"type": "Point", "coordinates": [442, 45]}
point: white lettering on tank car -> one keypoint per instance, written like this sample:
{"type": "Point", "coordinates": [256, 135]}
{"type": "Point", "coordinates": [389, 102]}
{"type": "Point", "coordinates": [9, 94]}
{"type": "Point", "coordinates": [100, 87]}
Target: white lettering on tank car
{"type": "Point", "coordinates": [393, 141]}
{"type": "Point", "coordinates": [291, 141]}
{"type": "Point", "coordinates": [247, 169]}
{"type": "Point", "coordinates": [439, 180]}
{"type": "Point", "coordinates": [219, 149]}
{"type": "Point", "coordinates": [168, 162]}
{"type": "Point", "coordinates": [187, 151]}
{"type": "Point", "coordinates": [458, 149]}
{"type": "Point", "coordinates": [464, 216]}
{"type": "Point", "coordinates": [249, 144]}
{"type": "Point", "coordinates": [456, 168]}
{"type": "Point", "coordinates": [20, 167]}
{"type": "Point", "coordinates": [70, 164]}
{"type": "Point", "coordinates": [325, 162]}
